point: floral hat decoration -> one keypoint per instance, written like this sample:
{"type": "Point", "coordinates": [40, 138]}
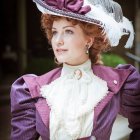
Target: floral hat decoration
{"type": "Point", "coordinates": [105, 13]}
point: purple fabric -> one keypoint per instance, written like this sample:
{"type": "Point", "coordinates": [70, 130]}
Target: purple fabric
{"type": "Point", "coordinates": [130, 101]}
{"type": "Point", "coordinates": [74, 6]}
{"type": "Point", "coordinates": [30, 113]}
{"type": "Point", "coordinates": [23, 113]}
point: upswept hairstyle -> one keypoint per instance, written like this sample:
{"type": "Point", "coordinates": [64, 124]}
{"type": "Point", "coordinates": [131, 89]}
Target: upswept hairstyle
{"type": "Point", "coordinates": [100, 44]}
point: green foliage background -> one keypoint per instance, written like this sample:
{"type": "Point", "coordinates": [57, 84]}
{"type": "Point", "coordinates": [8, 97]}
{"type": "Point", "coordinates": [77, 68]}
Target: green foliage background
{"type": "Point", "coordinates": [112, 60]}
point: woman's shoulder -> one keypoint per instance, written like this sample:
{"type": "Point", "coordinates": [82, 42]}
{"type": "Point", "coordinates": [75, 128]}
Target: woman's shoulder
{"type": "Point", "coordinates": [129, 67]}
{"type": "Point", "coordinates": [133, 80]}
{"type": "Point", "coordinates": [133, 77]}
{"type": "Point", "coordinates": [119, 67]}
{"type": "Point", "coordinates": [123, 74]}
{"type": "Point", "coordinates": [33, 82]}
{"type": "Point", "coordinates": [43, 79]}
{"type": "Point", "coordinates": [108, 72]}
{"type": "Point", "coordinates": [120, 70]}
{"type": "Point", "coordinates": [33, 78]}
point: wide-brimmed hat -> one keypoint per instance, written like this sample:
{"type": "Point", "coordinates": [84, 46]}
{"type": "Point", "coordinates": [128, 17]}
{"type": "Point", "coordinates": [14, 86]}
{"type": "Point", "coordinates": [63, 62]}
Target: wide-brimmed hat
{"type": "Point", "coordinates": [105, 13]}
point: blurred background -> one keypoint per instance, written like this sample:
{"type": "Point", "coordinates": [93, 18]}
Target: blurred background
{"type": "Point", "coordinates": [24, 48]}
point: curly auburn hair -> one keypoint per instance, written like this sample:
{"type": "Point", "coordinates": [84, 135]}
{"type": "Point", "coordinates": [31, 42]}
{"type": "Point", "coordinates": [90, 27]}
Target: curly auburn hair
{"type": "Point", "coordinates": [100, 44]}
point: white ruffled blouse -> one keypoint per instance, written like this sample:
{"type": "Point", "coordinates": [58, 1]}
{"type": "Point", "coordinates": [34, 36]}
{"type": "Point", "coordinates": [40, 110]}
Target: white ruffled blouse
{"type": "Point", "coordinates": [72, 98]}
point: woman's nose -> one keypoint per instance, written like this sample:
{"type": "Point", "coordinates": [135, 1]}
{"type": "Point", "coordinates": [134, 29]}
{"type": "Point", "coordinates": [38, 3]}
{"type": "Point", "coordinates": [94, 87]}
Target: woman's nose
{"type": "Point", "coordinates": [60, 40]}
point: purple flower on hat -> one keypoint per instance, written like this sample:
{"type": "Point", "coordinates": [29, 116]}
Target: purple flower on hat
{"type": "Point", "coordinates": [74, 6]}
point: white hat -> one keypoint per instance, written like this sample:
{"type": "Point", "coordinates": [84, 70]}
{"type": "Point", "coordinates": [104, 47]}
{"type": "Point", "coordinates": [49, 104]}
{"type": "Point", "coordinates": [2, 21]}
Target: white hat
{"type": "Point", "coordinates": [105, 13]}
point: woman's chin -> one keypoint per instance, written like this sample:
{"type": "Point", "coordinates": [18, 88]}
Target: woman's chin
{"type": "Point", "coordinates": [61, 61]}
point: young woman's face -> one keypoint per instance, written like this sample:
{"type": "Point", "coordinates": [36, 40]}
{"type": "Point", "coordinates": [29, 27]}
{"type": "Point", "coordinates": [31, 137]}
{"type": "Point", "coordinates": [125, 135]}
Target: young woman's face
{"type": "Point", "coordinates": [69, 42]}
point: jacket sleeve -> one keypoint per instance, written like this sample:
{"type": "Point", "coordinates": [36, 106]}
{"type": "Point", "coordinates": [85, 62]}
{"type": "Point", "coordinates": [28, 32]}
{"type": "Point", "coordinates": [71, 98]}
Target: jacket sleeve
{"type": "Point", "coordinates": [130, 101]}
{"type": "Point", "coordinates": [22, 112]}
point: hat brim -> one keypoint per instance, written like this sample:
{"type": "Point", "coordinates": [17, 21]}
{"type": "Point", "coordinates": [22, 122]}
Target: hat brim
{"type": "Point", "coordinates": [113, 29]}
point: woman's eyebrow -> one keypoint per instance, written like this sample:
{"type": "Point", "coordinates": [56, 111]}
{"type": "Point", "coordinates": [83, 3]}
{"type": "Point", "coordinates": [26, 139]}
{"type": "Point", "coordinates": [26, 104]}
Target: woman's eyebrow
{"type": "Point", "coordinates": [64, 27]}
{"type": "Point", "coordinates": [68, 27]}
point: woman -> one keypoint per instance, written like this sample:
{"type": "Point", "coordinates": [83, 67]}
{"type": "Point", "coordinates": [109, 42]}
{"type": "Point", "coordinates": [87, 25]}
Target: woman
{"type": "Point", "coordinates": [81, 99]}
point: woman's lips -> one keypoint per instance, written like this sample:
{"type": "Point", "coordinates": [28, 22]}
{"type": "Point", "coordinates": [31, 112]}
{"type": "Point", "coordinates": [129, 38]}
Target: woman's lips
{"type": "Point", "coordinates": [61, 51]}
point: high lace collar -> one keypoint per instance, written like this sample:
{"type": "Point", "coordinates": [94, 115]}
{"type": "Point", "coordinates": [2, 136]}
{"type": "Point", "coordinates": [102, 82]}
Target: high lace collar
{"type": "Point", "coordinates": [86, 66]}
{"type": "Point", "coordinates": [82, 72]}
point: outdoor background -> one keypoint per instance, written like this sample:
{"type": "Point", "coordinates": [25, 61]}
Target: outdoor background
{"type": "Point", "coordinates": [24, 49]}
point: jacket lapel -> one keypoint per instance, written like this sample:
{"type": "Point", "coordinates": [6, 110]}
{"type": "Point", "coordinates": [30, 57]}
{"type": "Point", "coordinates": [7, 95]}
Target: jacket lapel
{"type": "Point", "coordinates": [34, 83]}
{"type": "Point", "coordinates": [115, 79]}
{"type": "Point", "coordinates": [42, 106]}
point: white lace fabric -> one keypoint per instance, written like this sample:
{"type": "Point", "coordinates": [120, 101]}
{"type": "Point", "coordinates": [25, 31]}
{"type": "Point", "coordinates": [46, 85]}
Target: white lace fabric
{"type": "Point", "coordinates": [72, 98]}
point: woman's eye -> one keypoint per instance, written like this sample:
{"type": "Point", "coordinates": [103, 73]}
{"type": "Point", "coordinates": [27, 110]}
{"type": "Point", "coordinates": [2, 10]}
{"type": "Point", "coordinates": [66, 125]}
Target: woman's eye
{"type": "Point", "coordinates": [69, 31]}
{"type": "Point", "coordinates": [54, 32]}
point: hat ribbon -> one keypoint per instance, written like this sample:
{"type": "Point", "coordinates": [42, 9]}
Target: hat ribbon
{"type": "Point", "coordinates": [75, 6]}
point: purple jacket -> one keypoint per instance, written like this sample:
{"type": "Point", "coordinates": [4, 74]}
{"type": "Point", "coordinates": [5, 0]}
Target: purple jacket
{"type": "Point", "coordinates": [30, 112]}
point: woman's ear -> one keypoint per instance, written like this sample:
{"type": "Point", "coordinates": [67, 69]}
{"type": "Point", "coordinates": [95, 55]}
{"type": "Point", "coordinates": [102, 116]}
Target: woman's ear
{"type": "Point", "coordinates": [90, 40]}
